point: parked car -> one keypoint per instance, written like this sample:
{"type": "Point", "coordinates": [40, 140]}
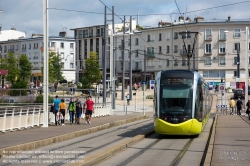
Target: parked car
{"type": "Point", "coordinates": [239, 93]}
{"type": "Point", "coordinates": [10, 100]}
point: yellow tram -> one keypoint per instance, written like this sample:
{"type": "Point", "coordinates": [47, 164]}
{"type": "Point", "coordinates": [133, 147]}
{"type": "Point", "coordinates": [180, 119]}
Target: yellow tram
{"type": "Point", "coordinates": [182, 102]}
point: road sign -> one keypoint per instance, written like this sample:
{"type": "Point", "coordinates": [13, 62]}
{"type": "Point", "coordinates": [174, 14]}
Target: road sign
{"type": "Point", "coordinates": [221, 87]}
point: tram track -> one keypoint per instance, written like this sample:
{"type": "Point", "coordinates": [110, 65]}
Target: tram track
{"type": "Point", "coordinates": [123, 132]}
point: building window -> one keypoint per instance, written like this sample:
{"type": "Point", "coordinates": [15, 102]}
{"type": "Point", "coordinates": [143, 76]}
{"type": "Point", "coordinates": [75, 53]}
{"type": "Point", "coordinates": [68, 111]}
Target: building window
{"type": "Point", "coordinates": [137, 65]}
{"type": "Point", "coordinates": [72, 45]}
{"type": "Point", "coordinates": [29, 46]}
{"type": "Point", "coordinates": [136, 41]}
{"type": "Point", "coordinates": [151, 38]}
{"type": "Point", "coordinates": [208, 34]}
{"type": "Point", "coordinates": [62, 65]}
{"type": "Point", "coordinates": [71, 65]}
{"type": "Point", "coordinates": [160, 52]}
{"type": "Point", "coordinates": [175, 62]}
{"type": "Point", "coordinates": [175, 48]}
{"type": "Point", "coordinates": [167, 49]}
{"type": "Point", "coordinates": [184, 62]}
{"type": "Point", "coordinates": [62, 55]}
{"type": "Point", "coordinates": [237, 32]}
{"type": "Point", "coordinates": [175, 35]}
{"type": "Point", "coordinates": [167, 62]}
{"type": "Point", "coordinates": [222, 48]}
{"type": "Point", "coordinates": [208, 61]}
{"type": "Point", "coordinates": [236, 46]}
{"type": "Point", "coordinates": [208, 48]}
{"type": "Point", "coordinates": [136, 53]}
{"type": "Point", "coordinates": [222, 34]}
{"type": "Point", "coordinates": [185, 34]}
{"type": "Point", "coordinates": [53, 44]}
{"type": "Point", "coordinates": [80, 34]}
{"type": "Point", "coordinates": [62, 45]}
{"type": "Point", "coordinates": [168, 36]}
{"type": "Point", "coordinates": [159, 36]}
{"type": "Point", "coordinates": [235, 60]}
{"type": "Point", "coordinates": [222, 61]}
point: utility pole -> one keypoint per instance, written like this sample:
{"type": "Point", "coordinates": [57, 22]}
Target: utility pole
{"type": "Point", "coordinates": [113, 74]}
{"type": "Point", "coordinates": [145, 63]}
{"type": "Point", "coordinates": [130, 60]}
{"type": "Point", "coordinates": [104, 58]}
{"type": "Point", "coordinates": [123, 60]}
{"type": "Point", "coordinates": [238, 63]}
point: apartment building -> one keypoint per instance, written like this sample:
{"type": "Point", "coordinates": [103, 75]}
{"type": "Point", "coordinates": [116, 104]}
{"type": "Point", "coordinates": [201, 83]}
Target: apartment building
{"type": "Point", "coordinates": [33, 49]}
{"type": "Point", "coordinates": [91, 39]}
{"type": "Point", "coordinates": [214, 50]}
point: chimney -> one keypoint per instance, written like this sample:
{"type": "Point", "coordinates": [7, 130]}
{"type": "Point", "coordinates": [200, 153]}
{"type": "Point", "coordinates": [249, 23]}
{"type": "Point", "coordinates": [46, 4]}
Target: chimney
{"type": "Point", "coordinates": [199, 19]}
{"type": "Point", "coordinates": [188, 19]}
{"type": "Point", "coordinates": [228, 18]}
{"type": "Point", "coordinates": [181, 18]}
{"type": "Point", "coordinates": [63, 34]}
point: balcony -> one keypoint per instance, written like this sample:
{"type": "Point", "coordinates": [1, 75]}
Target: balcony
{"type": "Point", "coordinates": [98, 35]}
{"type": "Point", "coordinates": [90, 34]}
{"type": "Point", "coordinates": [23, 49]}
{"type": "Point", "coordinates": [52, 49]}
{"type": "Point", "coordinates": [150, 40]}
{"type": "Point", "coordinates": [175, 51]}
{"type": "Point", "coordinates": [208, 51]}
{"type": "Point", "coordinates": [222, 37]}
{"type": "Point", "coordinates": [208, 37]}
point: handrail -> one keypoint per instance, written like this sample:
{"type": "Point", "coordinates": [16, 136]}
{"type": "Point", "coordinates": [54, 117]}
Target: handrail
{"type": "Point", "coordinates": [23, 117]}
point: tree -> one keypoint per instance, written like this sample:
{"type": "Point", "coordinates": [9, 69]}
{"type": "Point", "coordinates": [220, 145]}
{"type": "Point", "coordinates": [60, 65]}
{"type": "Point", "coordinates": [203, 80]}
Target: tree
{"type": "Point", "coordinates": [92, 71]}
{"type": "Point", "coordinates": [25, 68]}
{"type": "Point", "coordinates": [138, 27]}
{"type": "Point", "coordinates": [55, 67]}
{"type": "Point", "coordinates": [11, 65]}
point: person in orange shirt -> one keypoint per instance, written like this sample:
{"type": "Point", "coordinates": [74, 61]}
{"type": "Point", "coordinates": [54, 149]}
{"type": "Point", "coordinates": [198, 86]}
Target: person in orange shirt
{"type": "Point", "coordinates": [62, 108]}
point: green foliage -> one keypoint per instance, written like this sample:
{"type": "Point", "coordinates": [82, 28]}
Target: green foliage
{"type": "Point", "coordinates": [39, 99]}
{"type": "Point", "coordinates": [92, 73]}
{"type": "Point", "coordinates": [138, 27]}
{"type": "Point", "coordinates": [55, 67]}
{"type": "Point", "coordinates": [11, 65]}
{"type": "Point", "coordinates": [25, 68]}
{"type": "Point", "coordinates": [19, 84]}
{"type": "Point", "coordinates": [149, 97]}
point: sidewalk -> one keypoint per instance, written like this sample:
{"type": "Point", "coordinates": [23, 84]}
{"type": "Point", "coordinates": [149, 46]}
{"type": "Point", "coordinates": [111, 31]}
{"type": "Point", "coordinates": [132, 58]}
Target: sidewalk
{"type": "Point", "coordinates": [37, 137]}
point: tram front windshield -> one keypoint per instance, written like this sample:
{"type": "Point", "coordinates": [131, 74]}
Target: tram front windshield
{"type": "Point", "coordinates": [176, 97]}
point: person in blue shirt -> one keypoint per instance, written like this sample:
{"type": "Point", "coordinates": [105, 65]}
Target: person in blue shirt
{"type": "Point", "coordinates": [56, 105]}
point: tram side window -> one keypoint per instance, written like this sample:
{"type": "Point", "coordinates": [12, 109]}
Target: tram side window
{"type": "Point", "coordinates": [155, 98]}
{"type": "Point", "coordinates": [198, 103]}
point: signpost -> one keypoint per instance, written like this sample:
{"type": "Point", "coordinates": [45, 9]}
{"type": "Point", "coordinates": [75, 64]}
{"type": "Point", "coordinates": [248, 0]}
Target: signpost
{"type": "Point", "coordinates": [144, 95]}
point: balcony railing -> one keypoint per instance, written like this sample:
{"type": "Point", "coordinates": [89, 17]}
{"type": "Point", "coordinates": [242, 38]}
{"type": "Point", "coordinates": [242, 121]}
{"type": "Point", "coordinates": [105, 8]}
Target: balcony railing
{"type": "Point", "coordinates": [184, 52]}
{"type": "Point", "coordinates": [150, 54]}
{"type": "Point", "coordinates": [208, 51]}
{"type": "Point", "coordinates": [208, 37]}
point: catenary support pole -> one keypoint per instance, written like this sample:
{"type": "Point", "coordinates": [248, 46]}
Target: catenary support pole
{"type": "Point", "coordinates": [45, 64]}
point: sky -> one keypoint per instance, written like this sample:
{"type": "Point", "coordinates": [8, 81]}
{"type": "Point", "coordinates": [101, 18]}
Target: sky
{"type": "Point", "coordinates": [27, 15]}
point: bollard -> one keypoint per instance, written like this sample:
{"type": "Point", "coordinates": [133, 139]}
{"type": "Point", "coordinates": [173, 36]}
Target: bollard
{"type": "Point", "coordinates": [126, 110]}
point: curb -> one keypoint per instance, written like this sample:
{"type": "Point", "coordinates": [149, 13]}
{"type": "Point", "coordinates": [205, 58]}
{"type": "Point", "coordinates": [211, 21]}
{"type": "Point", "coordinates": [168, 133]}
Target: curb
{"type": "Point", "coordinates": [95, 159]}
{"type": "Point", "coordinates": [211, 144]}
{"type": "Point", "coordinates": [44, 142]}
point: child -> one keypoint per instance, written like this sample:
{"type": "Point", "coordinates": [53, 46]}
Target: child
{"type": "Point", "coordinates": [59, 117]}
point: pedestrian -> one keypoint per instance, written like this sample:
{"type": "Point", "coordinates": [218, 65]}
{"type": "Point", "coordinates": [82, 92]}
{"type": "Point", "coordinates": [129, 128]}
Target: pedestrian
{"type": "Point", "coordinates": [232, 106]}
{"type": "Point", "coordinates": [62, 108]}
{"type": "Point", "coordinates": [128, 98]}
{"type": "Point", "coordinates": [239, 106]}
{"type": "Point", "coordinates": [71, 109]}
{"type": "Point", "coordinates": [78, 110]}
{"type": "Point", "coordinates": [248, 109]}
{"type": "Point", "coordinates": [89, 110]}
{"type": "Point", "coordinates": [56, 103]}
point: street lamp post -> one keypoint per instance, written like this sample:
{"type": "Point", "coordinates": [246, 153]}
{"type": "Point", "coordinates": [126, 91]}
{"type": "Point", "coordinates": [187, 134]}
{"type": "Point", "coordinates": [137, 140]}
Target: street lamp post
{"type": "Point", "coordinates": [246, 65]}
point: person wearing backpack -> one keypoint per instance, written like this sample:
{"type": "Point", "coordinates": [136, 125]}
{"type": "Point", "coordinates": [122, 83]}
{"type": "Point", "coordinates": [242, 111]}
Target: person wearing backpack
{"type": "Point", "coordinates": [71, 109]}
